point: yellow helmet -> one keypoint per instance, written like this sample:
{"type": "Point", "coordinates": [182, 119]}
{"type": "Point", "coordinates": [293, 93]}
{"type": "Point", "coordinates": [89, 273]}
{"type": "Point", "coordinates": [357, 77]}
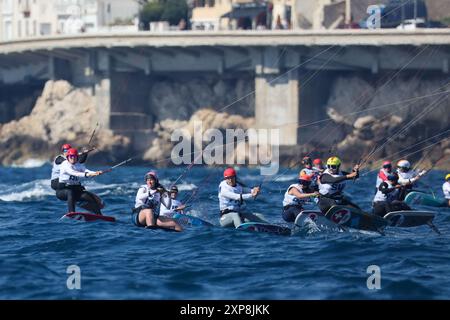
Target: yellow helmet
{"type": "Point", "coordinates": [447, 177]}
{"type": "Point", "coordinates": [333, 161]}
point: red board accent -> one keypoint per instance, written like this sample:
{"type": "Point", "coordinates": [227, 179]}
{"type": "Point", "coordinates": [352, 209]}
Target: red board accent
{"type": "Point", "coordinates": [84, 216]}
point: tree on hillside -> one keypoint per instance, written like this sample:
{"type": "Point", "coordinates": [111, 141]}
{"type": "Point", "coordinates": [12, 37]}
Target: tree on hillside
{"type": "Point", "coordinates": [174, 11]}
{"type": "Point", "coordinates": [163, 10]}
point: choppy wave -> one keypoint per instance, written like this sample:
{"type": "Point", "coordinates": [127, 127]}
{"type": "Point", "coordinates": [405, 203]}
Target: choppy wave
{"type": "Point", "coordinates": [182, 186]}
{"type": "Point", "coordinates": [286, 177]}
{"type": "Point", "coordinates": [186, 186]}
{"type": "Point", "coordinates": [38, 189]}
{"type": "Point", "coordinates": [26, 191]}
{"type": "Point", "coordinates": [30, 163]}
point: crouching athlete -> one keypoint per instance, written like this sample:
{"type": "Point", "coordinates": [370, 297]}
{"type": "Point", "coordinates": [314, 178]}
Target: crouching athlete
{"type": "Point", "coordinates": [147, 205]}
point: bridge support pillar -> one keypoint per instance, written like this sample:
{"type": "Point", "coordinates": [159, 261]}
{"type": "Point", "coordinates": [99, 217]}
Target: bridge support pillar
{"type": "Point", "coordinates": [102, 86]}
{"type": "Point", "coordinates": [93, 72]}
{"type": "Point", "coordinates": [59, 69]}
{"type": "Point", "coordinates": [277, 98]}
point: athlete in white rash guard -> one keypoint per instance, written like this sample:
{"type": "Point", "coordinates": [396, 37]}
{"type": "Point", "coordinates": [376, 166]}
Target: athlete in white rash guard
{"type": "Point", "coordinates": [146, 208]}
{"type": "Point", "coordinates": [310, 171]}
{"type": "Point", "coordinates": [82, 157]}
{"type": "Point", "coordinates": [383, 173]}
{"type": "Point", "coordinates": [407, 177]}
{"type": "Point", "coordinates": [231, 201]}
{"type": "Point", "coordinates": [332, 183]}
{"type": "Point", "coordinates": [296, 196]}
{"type": "Point", "coordinates": [446, 188]}
{"type": "Point", "coordinates": [174, 205]}
{"type": "Point", "coordinates": [387, 197]}
{"type": "Point", "coordinates": [70, 188]}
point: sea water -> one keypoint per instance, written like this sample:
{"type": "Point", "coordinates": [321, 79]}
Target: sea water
{"type": "Point", "coordinates": [38, 249]}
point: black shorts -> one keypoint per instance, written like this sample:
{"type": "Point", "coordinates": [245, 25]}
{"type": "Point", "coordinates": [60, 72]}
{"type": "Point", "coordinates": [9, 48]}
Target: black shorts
{"type": "Point", "coordinates": [380, 208]}
{"type": "Point", "coordinates": [135, 219]}
{"type": "Point", "coordinates": [290, 213]}
{"type": "Point", "coordinates": [135, 215]}
{"type": "Point", "coordinates": [54, 184]}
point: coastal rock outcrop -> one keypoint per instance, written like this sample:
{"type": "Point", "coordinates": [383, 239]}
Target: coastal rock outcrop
{"type": "Point", "coordinates": [384, 116]}
{"type": "Point", "coordinates": [208, 119]}
{"type": "Point", "coordinates": [62, 114]}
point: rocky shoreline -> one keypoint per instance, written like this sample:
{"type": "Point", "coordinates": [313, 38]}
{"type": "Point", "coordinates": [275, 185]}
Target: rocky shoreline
{"type": "Point", "coordinates": [64, 113]}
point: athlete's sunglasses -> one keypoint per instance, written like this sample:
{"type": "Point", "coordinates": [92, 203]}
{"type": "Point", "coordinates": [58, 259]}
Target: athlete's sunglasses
{"type": "Point", "coordinates": [387, 166]}
{"type": "Point", "coordinates": [72, 157]}
{"type": "Point", "coordinates": [332, 166]}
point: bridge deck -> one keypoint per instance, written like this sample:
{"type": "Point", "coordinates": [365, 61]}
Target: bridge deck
{"type": "Point", "coordinates": [349, 37]}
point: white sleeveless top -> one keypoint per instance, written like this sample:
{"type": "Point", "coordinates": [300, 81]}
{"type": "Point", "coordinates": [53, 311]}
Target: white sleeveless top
{"type": "Point", "coordinates": [327, 189]}
{"type": "Point", "coordinates": [169, 212]}
{"type": "Point", "coordinates": [290, 200]}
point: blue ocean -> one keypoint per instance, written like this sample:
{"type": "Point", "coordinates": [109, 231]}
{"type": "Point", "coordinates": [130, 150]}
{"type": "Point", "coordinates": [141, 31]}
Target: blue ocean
{"type": "Point", "coordinates": [121, 261]}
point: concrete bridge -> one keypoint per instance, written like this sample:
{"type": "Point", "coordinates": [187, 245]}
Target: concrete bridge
{"type": "Point", "coordinates": [98, 61]}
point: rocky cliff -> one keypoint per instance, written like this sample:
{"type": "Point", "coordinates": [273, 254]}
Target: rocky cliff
{"type": "Point", "coordinates": [62, 114]}
{"type": "Point", "coordinates": [391, 116]}
{"type": "Point", "coordinates": [401, 117]}
{"type": "Point", "coordinates": [162, 146]}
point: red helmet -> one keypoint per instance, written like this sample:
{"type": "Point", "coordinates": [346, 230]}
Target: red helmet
{"type": "Point", "coordinates": [305, 179]}
{"type": "Point", "coordinates": [72, 152]}
{"type": "Point", "coordinates": [150, 174]}
{"type": "Point", "coordinates": [387, 164]}
{"type": "Point", "coordinates": [65, 147]}
{"type": "Point", "coordinates": [317, 161]}
{"type": "Point", "coordinates": [229, 172]}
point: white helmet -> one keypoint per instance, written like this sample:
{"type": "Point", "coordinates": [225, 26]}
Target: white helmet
{"type": "Point", "coordinates": [404, 164]}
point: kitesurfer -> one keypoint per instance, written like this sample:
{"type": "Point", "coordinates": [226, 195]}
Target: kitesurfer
{"type": "Point", "coordinates": [332, 184]}
{"type": "Point", "coordinates": [308, 167]}
{"type": "Point", "coordinates": [174, 206]}
{"type": "Point", "coordinates": [407, 177]}
{"type": "Point", "coordinates": [296, 196]}
{"type": "Point", "coordinates": [387, 197]}
{"type": "Point", "coordinates": [384, 172]}
{"type": "Point", "coordinates": [70, 188]}
{"type": "Point", "coordinates": [231, 201]}
{"type": "Point", "coordinates": [147, 205]}
{"type": "Point", "coordinates": [310, 171]}
{"type": "Point", "coordinates": [82, 157]}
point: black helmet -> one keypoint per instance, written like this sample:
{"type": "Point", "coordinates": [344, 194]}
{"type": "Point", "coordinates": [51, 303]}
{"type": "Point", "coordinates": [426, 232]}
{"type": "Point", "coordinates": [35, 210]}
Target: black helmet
{"type": "Point", "coordinates": [173, 189]}
{"type": "Point", "coordinates": [307, 160]}
{"type": "Point", "coordinates": [392, 177]}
